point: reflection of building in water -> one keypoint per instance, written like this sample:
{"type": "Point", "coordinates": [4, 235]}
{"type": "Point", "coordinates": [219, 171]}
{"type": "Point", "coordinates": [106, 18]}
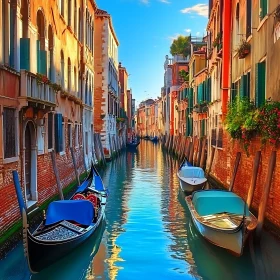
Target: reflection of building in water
{"type": "Point", "coordinates": [177, 219]}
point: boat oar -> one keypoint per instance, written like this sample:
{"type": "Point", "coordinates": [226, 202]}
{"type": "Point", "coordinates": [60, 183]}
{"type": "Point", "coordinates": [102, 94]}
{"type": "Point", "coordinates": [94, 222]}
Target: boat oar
{"type": "Point", "coordinates": [184, 160]}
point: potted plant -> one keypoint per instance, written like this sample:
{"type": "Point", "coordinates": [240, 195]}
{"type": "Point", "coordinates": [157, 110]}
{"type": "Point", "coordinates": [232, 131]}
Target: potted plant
{"type": "Point", "coordinates": [56, 87]}
{"type": "Point", "coordinates": [42, 79]}
{"type": "Point", "coordinates": [243, 49]}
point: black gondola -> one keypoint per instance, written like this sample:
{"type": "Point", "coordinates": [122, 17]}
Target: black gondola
{"type": "Point", "coordinates": [67, 223]}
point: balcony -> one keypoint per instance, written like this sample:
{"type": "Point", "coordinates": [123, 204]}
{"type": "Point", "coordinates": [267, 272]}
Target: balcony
{"type": "Point", "coordinates": [35, 91]}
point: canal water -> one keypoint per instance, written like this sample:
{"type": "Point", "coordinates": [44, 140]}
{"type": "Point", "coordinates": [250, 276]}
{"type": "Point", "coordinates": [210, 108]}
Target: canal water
{"type": "Point", "coordinates": [148, 233]}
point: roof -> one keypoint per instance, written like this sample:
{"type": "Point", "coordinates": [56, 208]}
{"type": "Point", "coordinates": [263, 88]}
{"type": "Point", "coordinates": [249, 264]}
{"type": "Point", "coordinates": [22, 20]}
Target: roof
{"type": "Point", "coordinates": [103, 13]}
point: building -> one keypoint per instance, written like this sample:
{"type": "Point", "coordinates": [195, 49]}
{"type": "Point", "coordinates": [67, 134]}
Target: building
{"type": "Point", "coordinates": [45, 97]}
{"type": "Point", "coordinates": [106, 81]}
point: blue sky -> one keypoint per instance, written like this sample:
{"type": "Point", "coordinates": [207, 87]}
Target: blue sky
{"type": "Point", "coordinates": [145, 30]}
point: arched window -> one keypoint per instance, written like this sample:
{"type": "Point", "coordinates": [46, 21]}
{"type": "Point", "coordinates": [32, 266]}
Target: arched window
{"type": "Point", "coordinates": [51, 55]}
{"type": "Point", "coordinates": [62, 68]}
{"type": "Point", "coordinates": [69, 76]}
{"type": "Point", "coordinates": [41, 52]}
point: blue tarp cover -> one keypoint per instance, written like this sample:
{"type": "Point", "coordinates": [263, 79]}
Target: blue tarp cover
{"type": "Point", "coordinates": [210, 202]}
{"type": "Point", "coordinates": [83, 186]}
{"type": "Point", "coordinates": [80, 211]}
{"type": "Point", "coordinates": [192, 172]}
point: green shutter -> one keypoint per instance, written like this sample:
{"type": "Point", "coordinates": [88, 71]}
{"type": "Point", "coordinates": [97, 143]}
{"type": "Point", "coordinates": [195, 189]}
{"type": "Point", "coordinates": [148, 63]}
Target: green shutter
{"type": "Point", "coordinates": [209, 90]}
{"type": "Point", "coordinates": [43, 62]}
{"type": "Point", "coordinates": [202, 127]}
{"type": "Point", "coordinates": [263, 8]}
{"type": "Point", "coordinates": [200, 93]}
{"type": "Point", "coordinates": [191, 98]}
{"type": "Point", "coordinates": [244, 86]}
{"type": "Point", "coordinates": [38, 55]}
{"type": "Point", "coordinates": [233, 92]}
{"type": "Point", "coordinates": [25, 53]}
{"type": "Point", "coordinates": [58, 133]}
{"type": "Point", "coordinates": [260, 84]}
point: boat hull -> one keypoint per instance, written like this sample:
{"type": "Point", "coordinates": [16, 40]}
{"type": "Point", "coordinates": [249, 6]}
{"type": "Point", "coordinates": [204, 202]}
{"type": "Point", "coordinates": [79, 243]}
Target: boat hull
{"type": "Point", "coordinates": [42, 254]}
{"type": "Point", "coordinates": [233, 241]}
{"type": "Point", "coordinates": [189, 188]}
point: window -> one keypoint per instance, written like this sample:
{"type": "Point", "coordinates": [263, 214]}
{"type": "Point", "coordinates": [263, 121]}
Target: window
{"type": "Point", "coordinates": [76, 135]}
{"type": "Point", "coordinates": [50, 130]}
{"type": "Point", "coordinates": [69, 135]}
{"type": "Point", "coordinates": [263, 8]}
{"type": "Point", "coordinates": [213, 137]}
{"type": "Point", "coordinates": [260, 83]}
{"type": "Point", "coordinates": [86, 142]}
{"type": "Point", "coordinates": [248, 18]}
{"type": "Point", "coordinates": [62, 7]}
{"type": "Point", "coordinates": [69, 76]}
{"type": "Point", "coordinates": [220, 138]}
{"type": "Point", "coordinates": [62, 68]}
{"type": "Point", "coordinates": [69, 12]}
{"type": "Point", "coordinates": [63, 137]}
{"type": "Point", "coordinates": [75, 17]}
{"type": "Point", "coordinates": [9, 133]}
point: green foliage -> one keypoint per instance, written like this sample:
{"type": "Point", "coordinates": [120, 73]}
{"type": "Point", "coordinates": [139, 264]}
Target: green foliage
{"type": "Point", "coordinates": [243, 49]}
{"type": "Point", "coordinates": [184, 75]}
{"type": "Point", "coordinates": [181, 45]}
{"type": "Point", "coordinates": [242, 120]}
{"type": "Point", "coordinates": [269, 121]}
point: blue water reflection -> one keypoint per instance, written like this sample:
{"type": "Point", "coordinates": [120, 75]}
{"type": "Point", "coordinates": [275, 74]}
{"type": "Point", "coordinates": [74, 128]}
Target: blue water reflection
{"type": "Point", "coordinates": [149, 234]}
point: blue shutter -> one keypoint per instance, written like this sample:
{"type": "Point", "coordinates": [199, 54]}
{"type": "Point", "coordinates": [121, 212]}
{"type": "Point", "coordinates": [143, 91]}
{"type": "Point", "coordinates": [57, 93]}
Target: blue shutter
{"type": "Point", "coordinates": [58, 133]}
{"type": "Point", "coordinates": [200, 93]}
{"type": "Point", "coordinates": [43, 63]}
{"type": "Point", "coordinates": [25, 53]}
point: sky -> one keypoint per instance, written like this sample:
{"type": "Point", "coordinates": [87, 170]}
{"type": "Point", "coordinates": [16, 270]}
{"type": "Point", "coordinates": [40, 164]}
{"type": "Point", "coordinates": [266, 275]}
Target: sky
{"type": "Point", "coordinates": [145, 30]}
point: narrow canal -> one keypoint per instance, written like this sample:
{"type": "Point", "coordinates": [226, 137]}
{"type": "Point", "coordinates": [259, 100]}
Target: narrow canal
{"type": "Point", "coordinates": [148, 233]}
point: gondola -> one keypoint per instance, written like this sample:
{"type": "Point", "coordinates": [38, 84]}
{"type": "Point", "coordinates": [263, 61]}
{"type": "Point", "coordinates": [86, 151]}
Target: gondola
{"type": "Point", "coordinates": [67, 223]}
{"type": "Point", "coordinates": [222, 218]}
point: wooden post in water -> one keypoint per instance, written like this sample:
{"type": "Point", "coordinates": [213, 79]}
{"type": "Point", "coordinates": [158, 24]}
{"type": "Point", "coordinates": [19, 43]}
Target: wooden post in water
{"type": "Point", "coordinates": [203, 153]}
{"type": "Point", "coordinates": [264, 199]}
{"type": "Point", "coordinates": [211, 160]}
{"type": "Point", "coordinates": [191, 152]}
{"type": "Point", "coordinates": [187, 153]}
{"type": "Point", "coordinates": [75, 165]}
{"type": "Point", "coordinates": [198, 155]}
{"type": "Point", "coordinates": [254, 178]}
{"type": "Point", "coordinates": [57, 176]}
{"type": "Point", "coordinates": [236, 164]}
{"type": "Point", "coordinates": [101, 149]}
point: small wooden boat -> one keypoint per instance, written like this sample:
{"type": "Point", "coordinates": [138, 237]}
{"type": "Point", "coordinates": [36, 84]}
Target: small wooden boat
{"type": "Point", "coordinates": [132, 144]}
{"type": "Point", "coordinates": [67, 223]}
{"type": "Point", "coordinates": [191, 178]}
{"type": "Point", "coordinates": [222, 217]}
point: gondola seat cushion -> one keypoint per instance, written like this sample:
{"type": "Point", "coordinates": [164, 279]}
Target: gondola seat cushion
{"type": "Point", "coordinates": [80, 211]}
{"type": "Point", "coordinates": [191, 172]}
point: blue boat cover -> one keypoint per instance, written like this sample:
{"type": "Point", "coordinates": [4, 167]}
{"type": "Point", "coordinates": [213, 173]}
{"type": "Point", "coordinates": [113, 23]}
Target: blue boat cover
{"type": "Point", "coordinates": [80, 211]}
{"type": "Point", "coordinates": [208, 202]}
{"type": "Point", "coordinates": [82, 187]}
{"type": "Point", "coordinates": [192, 172]}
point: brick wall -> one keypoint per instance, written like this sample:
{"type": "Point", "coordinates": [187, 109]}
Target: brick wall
{"type": "Point", "coordinates": [223, 167]}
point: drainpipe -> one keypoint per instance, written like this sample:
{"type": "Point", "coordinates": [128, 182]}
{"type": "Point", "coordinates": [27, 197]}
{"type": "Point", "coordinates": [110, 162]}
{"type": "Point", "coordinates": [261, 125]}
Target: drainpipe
{"type": "Point", "coordinates": [226, 54]}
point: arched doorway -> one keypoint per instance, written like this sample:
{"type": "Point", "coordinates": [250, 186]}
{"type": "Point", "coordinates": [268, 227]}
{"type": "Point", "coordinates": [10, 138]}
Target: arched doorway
{"type": "Point", "coordinates": [30, 163]}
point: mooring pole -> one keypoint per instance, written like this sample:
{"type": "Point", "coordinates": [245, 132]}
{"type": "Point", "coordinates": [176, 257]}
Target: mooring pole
{"type": "Point", "coordinates": [75, 165]}
{"type": "Point", "coordinates": [236, 164]}
{"type": "Point", "coordinates": [254, 178]}
{"type": "Point", "coordinates": [59, 186]}
{"type": "Point", "coordinates": [265, 194]}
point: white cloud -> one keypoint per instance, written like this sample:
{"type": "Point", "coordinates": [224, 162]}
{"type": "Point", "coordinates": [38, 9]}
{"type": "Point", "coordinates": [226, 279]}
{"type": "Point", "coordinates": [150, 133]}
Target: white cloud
{"type": "Point", "coordinates": [188, 30]}
{"type": "Point", "coordinates": [164, 1]}
{"type": "Point", "coordinates": [200, 9]}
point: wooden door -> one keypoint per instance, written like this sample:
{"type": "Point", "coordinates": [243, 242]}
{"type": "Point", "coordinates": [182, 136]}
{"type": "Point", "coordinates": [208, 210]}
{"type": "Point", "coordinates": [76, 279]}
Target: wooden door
{"type": "Point", "coordinates": [28, 162]}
